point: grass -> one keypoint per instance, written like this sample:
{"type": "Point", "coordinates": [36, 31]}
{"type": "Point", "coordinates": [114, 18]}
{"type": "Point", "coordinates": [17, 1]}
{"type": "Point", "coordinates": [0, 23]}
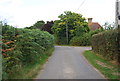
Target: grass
{"type": "Point", "coordinates": [109, 70]}
{"type": "Point", "coordinates": [30, 71]}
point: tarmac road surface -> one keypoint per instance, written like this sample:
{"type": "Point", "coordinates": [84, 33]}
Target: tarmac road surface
{"type": "Point", "coordinates": [69, 63]}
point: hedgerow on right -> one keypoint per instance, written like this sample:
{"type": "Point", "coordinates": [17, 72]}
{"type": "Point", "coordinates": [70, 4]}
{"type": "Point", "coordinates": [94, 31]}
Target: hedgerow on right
{"type": "Point", "coordinates": [107, 44]}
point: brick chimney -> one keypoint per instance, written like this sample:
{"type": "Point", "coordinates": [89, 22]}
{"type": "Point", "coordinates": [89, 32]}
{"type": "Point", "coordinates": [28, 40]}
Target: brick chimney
{"type": "Point", "coordinates": [90, 20]}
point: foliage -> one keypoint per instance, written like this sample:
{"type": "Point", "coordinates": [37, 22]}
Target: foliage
{"type": "Point", "coordinates": [106, 44]}
{"type": "Point", "coordinates": [47, 27]}
{"type": "Point", "coordinates": [75, 22]}
{"type": "Point", "coordinates": [21, 47]}
{"type": "Point", "coordinates": [109, 70]}
{"type": "Point", "coordinates": [42, 26]}
{"type": "Point", "coordinates": [37, 25]}
{"type": "Point", "coordinates": [108, 26]}
{"type": "Point", "coordinates": [85, 39]}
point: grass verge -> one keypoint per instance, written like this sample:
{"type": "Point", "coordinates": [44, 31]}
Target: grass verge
{"type": "Point", "coordinates": [109, 70]}
{"type": "Point", "coordinates": [30, 71]}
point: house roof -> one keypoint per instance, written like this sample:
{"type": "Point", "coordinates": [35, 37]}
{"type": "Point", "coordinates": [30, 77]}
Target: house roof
{"type": "Point", "coordinates": [94, 25]}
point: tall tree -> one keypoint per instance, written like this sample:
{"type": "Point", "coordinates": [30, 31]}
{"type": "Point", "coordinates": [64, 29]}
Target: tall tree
{"type": "Point", "coordinates": [73, 22]}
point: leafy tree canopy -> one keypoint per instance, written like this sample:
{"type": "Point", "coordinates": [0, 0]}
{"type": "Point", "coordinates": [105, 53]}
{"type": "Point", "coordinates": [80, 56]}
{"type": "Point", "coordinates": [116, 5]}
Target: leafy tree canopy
{"type": "Point", "coordinates": [37, 25]}
{"type": "Point", "coordinates": [75, 22]}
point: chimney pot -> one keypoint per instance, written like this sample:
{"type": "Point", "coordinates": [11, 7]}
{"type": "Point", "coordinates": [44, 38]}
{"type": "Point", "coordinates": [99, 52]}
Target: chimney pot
{"type": "Point", "coordinates": [90, 20]}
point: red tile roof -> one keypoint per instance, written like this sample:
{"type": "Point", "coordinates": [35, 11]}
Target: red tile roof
{"type": "Point", "coordinates": [94, 25]}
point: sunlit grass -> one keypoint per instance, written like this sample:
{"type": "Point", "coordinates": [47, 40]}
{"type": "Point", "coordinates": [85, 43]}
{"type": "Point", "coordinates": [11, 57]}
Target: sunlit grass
{"type": "Point", "coordinates": [109, 70]}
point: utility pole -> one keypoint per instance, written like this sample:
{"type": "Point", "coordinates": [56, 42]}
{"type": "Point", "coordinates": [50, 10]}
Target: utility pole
{"type": "Point", "coordinates": [117, 13]}
{"type": "Point", "coordinates": [67, 30]}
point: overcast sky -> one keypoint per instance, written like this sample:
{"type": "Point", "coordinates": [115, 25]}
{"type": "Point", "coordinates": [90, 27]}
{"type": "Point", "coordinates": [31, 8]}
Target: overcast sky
{"type": "Point", "coordinates": [22, 13]}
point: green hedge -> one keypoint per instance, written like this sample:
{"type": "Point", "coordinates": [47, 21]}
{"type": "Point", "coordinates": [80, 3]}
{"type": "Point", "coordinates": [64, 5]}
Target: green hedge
{"type": "Point", "coordinates": [85, 39]}
{"type": "Point", "coordinates": [29, 47]}
{"type": "Point", "coordinates": [81, 40]}
{"type": "Point", "coordinates": [106, 44]}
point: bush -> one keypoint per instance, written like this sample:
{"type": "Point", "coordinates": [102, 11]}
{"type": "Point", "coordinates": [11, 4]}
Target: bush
{"type": "Point", "coordinates": [32, 43]}
{"type": "Point", "coordinates": [106, 44]}
{"type": "Point", "coordinates": [81, 40]}
{"type": "Point", "coordinates": [21, 47]}
{"type": "Point", "coordinates": [61, 40]}
{"type": "Point", "coordinates": [85, 39]}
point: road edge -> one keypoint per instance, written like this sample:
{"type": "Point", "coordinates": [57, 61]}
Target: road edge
{"type": "Point", "coordinates": [93, 66]}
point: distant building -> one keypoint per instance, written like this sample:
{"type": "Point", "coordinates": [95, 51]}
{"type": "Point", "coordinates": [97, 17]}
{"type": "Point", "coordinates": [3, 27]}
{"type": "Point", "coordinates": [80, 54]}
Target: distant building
{"type": "Point", "coordinates": [93, 25]}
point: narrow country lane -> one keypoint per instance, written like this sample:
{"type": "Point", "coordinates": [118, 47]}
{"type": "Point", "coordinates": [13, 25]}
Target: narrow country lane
{"type": "Point", "coordinates": [68, 63]}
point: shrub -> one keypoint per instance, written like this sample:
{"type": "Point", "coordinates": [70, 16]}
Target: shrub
{"type": "Point", "coordinates": [85, 39]}
{"type": "Point", "coordinates": [21, 47]}
{"type": "Point", "coordinates": [33, 43]}
{"type": "Point", "coordinates": [81, 40]}
{"type": "Point", "coordinates": [106, 44]}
